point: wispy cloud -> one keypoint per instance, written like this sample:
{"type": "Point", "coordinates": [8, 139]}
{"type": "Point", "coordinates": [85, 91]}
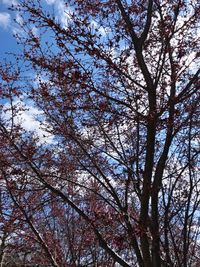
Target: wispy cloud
{"type": "Point", "coordinates": [102, 30]}
{"type": "Point", "coordinates": [19, 19]}
{"type": "Point", "coordinates": [28, 118]}
{"type": "Point", "coordinates": [9, 2]}
{"type": "Point", "coordinates": [63, 12]}
{"type": "Point", "coordinates": [5, 19]}
{"type": "Point", "coordinates": [50, 2]}
{"type": "Point", "coordinates": [28, 121]}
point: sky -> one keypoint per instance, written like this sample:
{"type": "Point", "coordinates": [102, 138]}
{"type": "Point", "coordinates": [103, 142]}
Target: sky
{"type": "Point", "coordinates": [8, 44]}
{"type": "Point", "coordinates": [7, 28]}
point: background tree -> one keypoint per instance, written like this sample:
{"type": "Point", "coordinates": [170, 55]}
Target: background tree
{"type": "Point", "coordinates": [116, 87]}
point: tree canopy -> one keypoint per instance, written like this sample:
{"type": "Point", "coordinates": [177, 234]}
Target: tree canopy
{"type": "Point", "coordinates": [108, 173]}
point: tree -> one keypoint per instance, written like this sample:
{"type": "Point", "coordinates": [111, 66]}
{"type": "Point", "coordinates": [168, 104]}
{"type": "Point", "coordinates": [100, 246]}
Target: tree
{"type": "Point", "coordinates": [116, 88]}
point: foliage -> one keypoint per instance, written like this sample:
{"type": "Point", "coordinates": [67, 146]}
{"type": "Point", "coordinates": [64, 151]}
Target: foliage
{"type": "Point", "coordinates": [116, 88]}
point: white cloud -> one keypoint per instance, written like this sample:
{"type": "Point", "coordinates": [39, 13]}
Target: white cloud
{"type": "Point", "coordinates": [4, 19]}
{"type": "Point", "coordinates": [102, 30]}
{"type": "Point", "coordinates": [19, 19]}
{"type": "Point", "coordinates": [50, 2]}
{"type": "Point", "coordinates": [28, 121]}
{"type": "Point", "coordinates": [9, 2]}
{"type": "Point", "coordinates": [64, 13]}
{"type": "Point", "coordinates": [27, 118]}
{"type": "Point", "coordinates": [18, 29]}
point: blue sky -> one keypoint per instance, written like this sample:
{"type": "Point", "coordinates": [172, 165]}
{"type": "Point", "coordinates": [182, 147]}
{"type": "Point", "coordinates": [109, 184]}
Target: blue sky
{"type": "Point", "coordinates": [8, 42]}
{"type": "Point", "coordinates": [8, 27]}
